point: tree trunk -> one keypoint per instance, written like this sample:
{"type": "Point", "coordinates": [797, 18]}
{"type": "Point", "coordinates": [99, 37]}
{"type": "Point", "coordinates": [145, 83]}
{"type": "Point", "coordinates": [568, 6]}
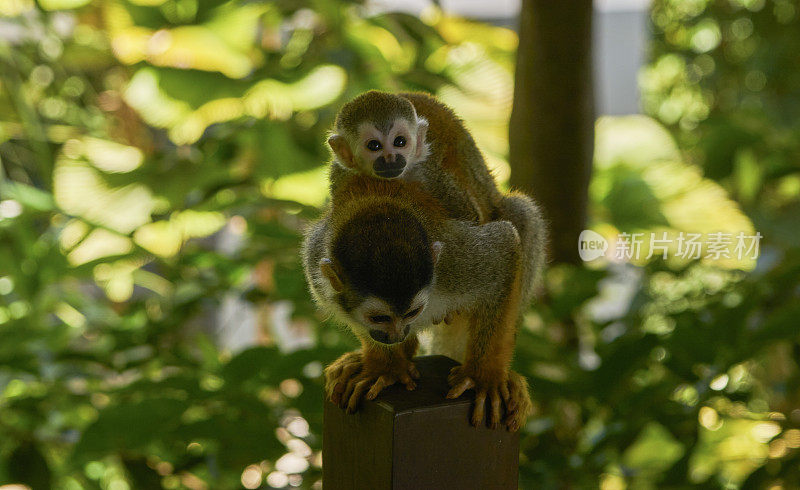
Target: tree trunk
{"type": "Point", "coordinates": [551, 133]}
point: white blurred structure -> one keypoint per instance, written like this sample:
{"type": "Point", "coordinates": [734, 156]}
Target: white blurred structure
{"type": "Point", "coordinates": [620, 35]}
{"type": "Point", "coordinates": [620, 43]}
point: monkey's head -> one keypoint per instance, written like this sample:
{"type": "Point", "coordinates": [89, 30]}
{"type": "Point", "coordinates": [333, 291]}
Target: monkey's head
{"type": "Point", "coordinates": [379, 134]}
{"type": "Point", "coordinates": [380, 270]}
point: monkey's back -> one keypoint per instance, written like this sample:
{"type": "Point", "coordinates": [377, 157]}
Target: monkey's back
{"type": "Point", "coordinates": [454, 151]}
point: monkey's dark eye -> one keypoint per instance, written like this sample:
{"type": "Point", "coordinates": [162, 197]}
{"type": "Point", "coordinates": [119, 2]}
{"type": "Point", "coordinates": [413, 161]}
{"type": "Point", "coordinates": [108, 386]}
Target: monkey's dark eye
{"type": "Point", "coordinates": [374, 145]}
{"type": "Point", "coordinates": [380, 319]}
{"type": "Point", "coordinates": [412, 313]}
{"type": "Point", "coordinates": [400, 141]}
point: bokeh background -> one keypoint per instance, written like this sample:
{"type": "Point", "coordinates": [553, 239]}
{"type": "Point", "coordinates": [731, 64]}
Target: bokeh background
{"type": "Point", "coordinates": [160, 158]}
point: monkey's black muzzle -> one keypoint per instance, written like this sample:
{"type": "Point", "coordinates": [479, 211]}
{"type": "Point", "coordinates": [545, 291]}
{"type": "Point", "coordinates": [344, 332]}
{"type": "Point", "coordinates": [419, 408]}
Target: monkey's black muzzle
{"type": "Point", "coordinates": [384, 337]}
{"type": "Point", "coordinates": [389, 169]}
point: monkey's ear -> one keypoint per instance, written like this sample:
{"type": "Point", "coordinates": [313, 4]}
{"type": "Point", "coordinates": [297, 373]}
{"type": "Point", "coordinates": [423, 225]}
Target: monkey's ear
{"type": "Point", "coordinates": [422, 142]}
{"type": "Point", "coordinates": [326, 266]}
{"type": "Point", "coordinates": [436, 251]}
{"type": "Point", "coordinates": [341, 148]}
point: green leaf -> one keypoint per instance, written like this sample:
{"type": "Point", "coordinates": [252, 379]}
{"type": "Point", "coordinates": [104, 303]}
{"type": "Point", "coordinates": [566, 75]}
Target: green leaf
{"type": "Point", "coordinates": [28, 196]}
{"type": "Point", "coordinates": [654, 451]}
{"type": "Point", "coordinates": [129, 427]}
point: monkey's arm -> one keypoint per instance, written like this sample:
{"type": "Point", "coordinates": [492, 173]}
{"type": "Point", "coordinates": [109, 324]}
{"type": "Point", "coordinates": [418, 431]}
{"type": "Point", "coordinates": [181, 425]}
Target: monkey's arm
{"type": "Point", "coordinates": [313, 250]}
{"type": "Point", "coordinates": [477, 263]}
{"type": "Point", "coordinates": [482, 274]}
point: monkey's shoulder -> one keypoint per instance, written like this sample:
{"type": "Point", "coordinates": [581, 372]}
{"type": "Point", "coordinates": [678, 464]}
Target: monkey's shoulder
{"type": "Point", "coordinates": [444, 125]}
{"type": "Point", "coordinates": [354, 190]}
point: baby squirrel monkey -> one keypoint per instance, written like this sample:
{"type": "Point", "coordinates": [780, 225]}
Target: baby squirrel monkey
{"type": "Point", "coordinates": [416, 232]}
{"type": "Point", "coordinates": [414, 137]}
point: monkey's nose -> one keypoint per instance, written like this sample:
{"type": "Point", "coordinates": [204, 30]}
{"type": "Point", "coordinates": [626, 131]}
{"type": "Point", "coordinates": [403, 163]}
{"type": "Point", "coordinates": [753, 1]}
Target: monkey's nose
{"type": "Point", "coordinates": [389, 338]}
{"type": "Point", "coordinates": [380, 336]}
{"type": "Point", "coordinates": [389, 166]}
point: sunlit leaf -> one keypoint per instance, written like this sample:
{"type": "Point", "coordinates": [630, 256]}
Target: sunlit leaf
{"type": "Point", "coordinates": [80, 191]}
{"type": "Point", "coordinates": [642, 185]}
{"type": "Point", "coordinates": [165, 238]}
{"type": "Point", "coordinates": [310, 188]}
{"type": "Point", "coordinates": [62, 4]}
{"type": "Point", "coordinates": [654, 450]}
{"type": "Point", "coordinates": [112, 157]}
{"type": "Point", "coordinates": [99, 243]}
{"type": "Point", "coordinates": [266, 98]}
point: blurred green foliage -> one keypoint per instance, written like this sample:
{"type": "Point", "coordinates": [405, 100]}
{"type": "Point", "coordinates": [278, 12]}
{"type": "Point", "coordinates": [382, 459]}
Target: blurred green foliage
{"type": "Point", "coordinates": [159, 160]}
{"type": "Point", "coordinates": [161, 157]}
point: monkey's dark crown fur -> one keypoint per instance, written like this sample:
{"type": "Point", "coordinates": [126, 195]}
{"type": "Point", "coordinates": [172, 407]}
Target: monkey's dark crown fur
{"type": "Point", "coordinates": [369, 106]}
{"type": "Point", "coordinates": [378, 261]}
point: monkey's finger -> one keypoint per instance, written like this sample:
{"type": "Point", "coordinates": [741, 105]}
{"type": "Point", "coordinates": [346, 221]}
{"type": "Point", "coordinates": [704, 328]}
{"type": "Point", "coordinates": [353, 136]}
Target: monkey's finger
{"type": "Point", "coordinates": [348, 391]}
{"type": "Point", "coordinates": [330, 384]}
{"type": "Point", "coordinates": [333, 371]}
{"type": "Point", "coordinates": [358, 392]}
{"type": "Point", "coordinates": [515, 394]}
{"type": "Point", "coordinates": [407, 381]}
{"type": "Point", "coordinates": [379, 385]}
{"type": "Point", "coordinates": [479, 409]}
{"type": "Point", "coordinates": [339, 376]}
{"type": "Point", "coordinates": [505, 393]}
{"type": "Point", "coordinates": [414, 371]}
{"type": "Point", "coordinates": [334, 395]}
{"type": "Point", "coordinates": [461, 387]}
{"type": "Point", "coordinates": [515, 421]}
{"type": "Point", "coordinates": [336, 390]}
{"type": "Point", "coordinates": [494, 412]}
{"type": "Point", "coordinates": [349, 370]}
{"type": "Point", "coordinates": [454, 375]}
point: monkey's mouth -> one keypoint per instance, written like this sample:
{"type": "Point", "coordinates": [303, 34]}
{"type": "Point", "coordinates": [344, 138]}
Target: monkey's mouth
{"type": "Point", "coordinates": [389, 169]}
{"type": "Point", "coordinates": [390, 173]}
{"type": "Point", "coordinates": [385, 338]}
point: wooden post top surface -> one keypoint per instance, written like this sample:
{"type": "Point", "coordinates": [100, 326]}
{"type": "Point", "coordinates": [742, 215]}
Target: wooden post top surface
{"type": "Point", "coordinates": [430, 391]}
{"type": "Point", "coordinates": [416, 439]}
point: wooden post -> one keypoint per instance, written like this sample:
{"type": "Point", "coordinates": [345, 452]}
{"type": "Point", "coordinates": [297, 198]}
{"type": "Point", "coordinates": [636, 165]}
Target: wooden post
{"type": "Point", "coordinates": [416, 439]}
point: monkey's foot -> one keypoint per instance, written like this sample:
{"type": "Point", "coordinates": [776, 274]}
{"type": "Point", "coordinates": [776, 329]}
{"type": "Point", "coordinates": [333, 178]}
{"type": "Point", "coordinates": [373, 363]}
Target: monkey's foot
{"type": "Point", "coordinates": [519, 405]}
{"type": "Point", "coordinates": [350, 377]}
{"type": "Point", "coordinates": [493, 389]}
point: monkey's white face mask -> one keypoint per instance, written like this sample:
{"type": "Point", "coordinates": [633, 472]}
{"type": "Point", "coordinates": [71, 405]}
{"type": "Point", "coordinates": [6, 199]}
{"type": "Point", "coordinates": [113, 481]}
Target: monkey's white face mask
{"type": "Point", "coordinates": [383, 152]}
{"type": "Point", "coordinates": [380, 318]}
{"type": "Point", "coordinates": [384, 324]}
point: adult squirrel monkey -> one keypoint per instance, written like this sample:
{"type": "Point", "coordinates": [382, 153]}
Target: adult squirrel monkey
{"type": "Point", "coordinates": [414, 234]}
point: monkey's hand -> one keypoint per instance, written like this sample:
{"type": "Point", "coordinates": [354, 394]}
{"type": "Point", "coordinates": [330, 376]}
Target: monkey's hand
{"type": "Point", "coordinates": [493, 388]}
{"type": "Point", "coordinates": [340, 372]}
{"type": "Point", "coordinates": [353, 375]}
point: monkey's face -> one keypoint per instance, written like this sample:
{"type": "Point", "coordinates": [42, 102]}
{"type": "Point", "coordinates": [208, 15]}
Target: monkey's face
{"type": "Point", "coordinates": [385, 323]}
{"type": "Point", "coordinates": [380, 271]}
{"type": "Point", "coordinates": [385, 152]}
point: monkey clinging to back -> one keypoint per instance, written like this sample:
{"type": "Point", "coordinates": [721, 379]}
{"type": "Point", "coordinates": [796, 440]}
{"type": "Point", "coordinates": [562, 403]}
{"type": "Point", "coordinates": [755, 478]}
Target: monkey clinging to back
{"type": "Point", "coordinates": [417, 230]}
{"type": "Point", "coordinates": [414, 137]}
